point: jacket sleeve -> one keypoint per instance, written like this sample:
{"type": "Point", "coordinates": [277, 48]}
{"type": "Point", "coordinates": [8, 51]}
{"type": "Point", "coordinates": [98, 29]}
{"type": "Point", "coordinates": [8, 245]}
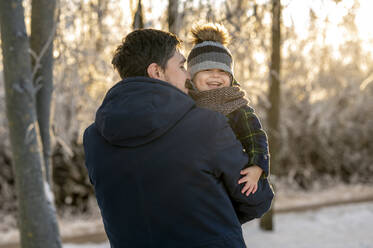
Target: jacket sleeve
{"type": "Point", "coordinates": [249, 132]}
{"type": "Point", "coordinates": [227, 162]}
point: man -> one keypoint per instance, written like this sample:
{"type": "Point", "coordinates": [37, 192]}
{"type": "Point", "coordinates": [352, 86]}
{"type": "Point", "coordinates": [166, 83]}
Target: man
{"type": "Point", "coordinates": [165, 172]}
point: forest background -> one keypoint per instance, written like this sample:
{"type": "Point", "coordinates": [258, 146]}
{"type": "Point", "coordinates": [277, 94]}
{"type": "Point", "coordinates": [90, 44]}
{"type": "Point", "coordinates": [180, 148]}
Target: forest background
{"type": "Point", "coordinates": [325, 124]}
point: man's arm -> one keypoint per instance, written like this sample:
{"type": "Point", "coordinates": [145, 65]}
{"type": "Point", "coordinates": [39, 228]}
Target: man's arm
{"type": "Point", "coordinates": [227, 162]}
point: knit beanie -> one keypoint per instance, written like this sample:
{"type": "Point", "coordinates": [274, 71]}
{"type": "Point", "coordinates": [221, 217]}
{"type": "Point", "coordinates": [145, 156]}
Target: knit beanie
{"type": "Point", "coordinates": [210, 51]}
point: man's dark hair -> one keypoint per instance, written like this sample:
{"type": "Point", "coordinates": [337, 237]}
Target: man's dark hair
{"type": "Point", "coordinates": [142, 47]}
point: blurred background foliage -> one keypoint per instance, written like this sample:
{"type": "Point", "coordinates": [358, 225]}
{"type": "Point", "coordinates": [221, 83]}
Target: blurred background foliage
{"type": "Point", "coordinates": [326, 117]}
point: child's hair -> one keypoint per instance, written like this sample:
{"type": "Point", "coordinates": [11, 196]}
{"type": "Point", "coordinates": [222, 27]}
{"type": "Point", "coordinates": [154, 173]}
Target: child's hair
{"type": "Point", "coordinates": [210, 51]}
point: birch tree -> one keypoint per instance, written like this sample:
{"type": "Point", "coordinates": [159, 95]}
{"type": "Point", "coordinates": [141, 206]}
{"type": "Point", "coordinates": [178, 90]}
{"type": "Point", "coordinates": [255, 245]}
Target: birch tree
{"type": "Point", "coordinates": [43, 27]}
{"type": "Point", "coordinates": [37, 220]}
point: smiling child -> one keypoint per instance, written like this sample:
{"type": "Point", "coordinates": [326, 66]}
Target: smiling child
{"type": "Point", "coordinates": [213, 86]}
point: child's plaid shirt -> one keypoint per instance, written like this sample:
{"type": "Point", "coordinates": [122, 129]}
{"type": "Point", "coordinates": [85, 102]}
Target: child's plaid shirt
{"type": "Point", "coordinates": [248, 129]}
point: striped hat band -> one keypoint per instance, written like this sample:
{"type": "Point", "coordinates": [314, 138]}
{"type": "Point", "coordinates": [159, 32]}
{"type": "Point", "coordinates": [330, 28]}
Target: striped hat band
{"type": "Point", "coordinates": [209, 55]}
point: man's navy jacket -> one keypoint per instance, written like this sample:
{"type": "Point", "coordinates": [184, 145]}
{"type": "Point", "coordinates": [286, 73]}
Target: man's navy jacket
{"type": "Point", "coordinates": [166, 172]}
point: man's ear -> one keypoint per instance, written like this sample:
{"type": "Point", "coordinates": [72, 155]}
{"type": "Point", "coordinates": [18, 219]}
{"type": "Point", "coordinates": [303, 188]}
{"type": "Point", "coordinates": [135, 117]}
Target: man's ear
{"type": "Point", "coordinates": [155, 71]}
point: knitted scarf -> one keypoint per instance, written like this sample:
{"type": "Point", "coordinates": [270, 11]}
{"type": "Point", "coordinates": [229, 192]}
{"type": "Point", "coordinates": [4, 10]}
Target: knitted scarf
{"type": "Point", "coordinates": [224, 100]}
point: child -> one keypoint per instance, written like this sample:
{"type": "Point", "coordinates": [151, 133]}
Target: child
{"type": "Point", "coordinates": [214, 87]}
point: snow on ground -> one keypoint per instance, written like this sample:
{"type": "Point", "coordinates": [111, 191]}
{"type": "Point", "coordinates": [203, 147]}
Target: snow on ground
{"type": "Point", "coordinates": [346, 226]}
{"type": "Point", "coordinates": [88, 245]}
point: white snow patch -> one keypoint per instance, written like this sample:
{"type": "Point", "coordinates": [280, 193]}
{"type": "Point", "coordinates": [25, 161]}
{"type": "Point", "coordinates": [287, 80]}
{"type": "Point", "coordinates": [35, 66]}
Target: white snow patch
{"type": "Point", "coordinates": [88, 245]}
{"type": "Point", "coordinates": [48, 193]}
{"type": "Point", "coordinates": [347, 226]}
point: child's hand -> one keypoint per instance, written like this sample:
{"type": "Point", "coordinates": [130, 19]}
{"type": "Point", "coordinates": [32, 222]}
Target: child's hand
{"type": "Point", "coordinates": [251, 177]}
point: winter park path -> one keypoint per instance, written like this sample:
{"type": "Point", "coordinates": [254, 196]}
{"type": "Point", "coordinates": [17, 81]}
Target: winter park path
{"type": "Point", "coordinates": [339, 217]}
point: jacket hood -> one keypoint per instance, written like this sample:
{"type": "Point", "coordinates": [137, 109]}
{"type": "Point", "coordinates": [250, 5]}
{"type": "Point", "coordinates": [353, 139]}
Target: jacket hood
{"type": "Point", "coordinates": [138, 110]}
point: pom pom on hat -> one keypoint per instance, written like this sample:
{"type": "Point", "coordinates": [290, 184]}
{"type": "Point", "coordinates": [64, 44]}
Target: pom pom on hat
{"type": "Point", "coordinates": [210, 32]}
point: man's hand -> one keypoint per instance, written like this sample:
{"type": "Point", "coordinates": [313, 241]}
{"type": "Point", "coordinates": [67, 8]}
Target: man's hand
{"type": "Point", "coordinates": [251, 177]}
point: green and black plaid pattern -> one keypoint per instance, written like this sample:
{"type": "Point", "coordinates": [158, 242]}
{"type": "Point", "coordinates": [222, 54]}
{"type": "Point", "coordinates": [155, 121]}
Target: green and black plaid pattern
{"type": "Point", "coordinates": [210, 55]}
{"type": "Point", "coordinates": [248, 129]}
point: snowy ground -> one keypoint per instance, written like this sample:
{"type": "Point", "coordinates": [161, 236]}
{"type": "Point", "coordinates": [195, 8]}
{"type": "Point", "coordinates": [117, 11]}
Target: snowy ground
{"type": "Point", "coordinates": [346, 226]}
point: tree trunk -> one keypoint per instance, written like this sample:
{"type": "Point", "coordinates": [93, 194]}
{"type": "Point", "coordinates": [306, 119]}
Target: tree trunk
{"type": "Point", "coordinates": [138, 19]}
{"type": "Point", "coordinates": [41, 42]}
{"type": "Point", "coordinates": [102, 9]}
{"type": "Point", "coordinates": [173, 16]}
{"type": "Point", "coordinates": [266, 222]}
{"type": "Point", "coordinates": [37, 220]}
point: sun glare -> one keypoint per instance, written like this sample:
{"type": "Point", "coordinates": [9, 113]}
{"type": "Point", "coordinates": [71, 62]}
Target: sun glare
{"type": "Point", "coordinates": [329, 17]}
{"type": "Point", "coordinates": [295, 13]}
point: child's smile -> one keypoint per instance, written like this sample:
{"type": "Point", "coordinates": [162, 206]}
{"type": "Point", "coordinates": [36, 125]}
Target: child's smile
{"type": "Point", "coordinates": [214, 84]}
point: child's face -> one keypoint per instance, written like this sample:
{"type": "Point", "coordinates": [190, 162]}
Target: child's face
{"type": "Point", "coordinates": [211, 79]}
